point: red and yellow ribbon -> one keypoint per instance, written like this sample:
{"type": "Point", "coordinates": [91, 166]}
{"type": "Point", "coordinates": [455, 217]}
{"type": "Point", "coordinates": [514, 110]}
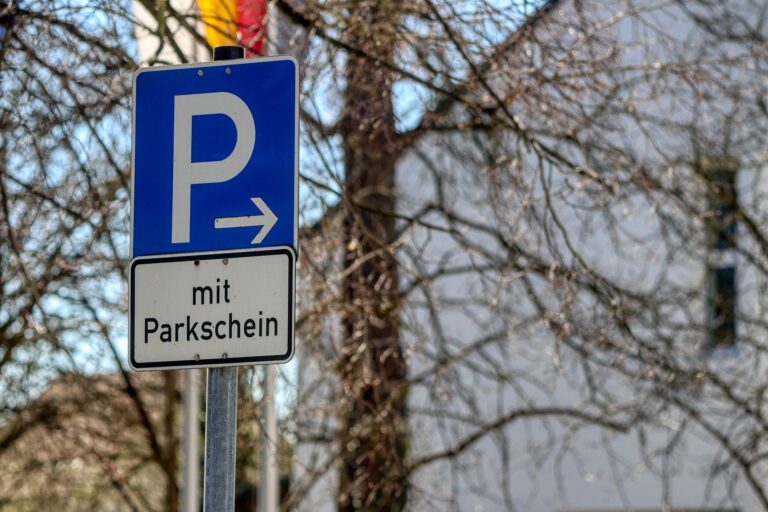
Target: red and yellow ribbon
{"type": "Point", "coordinates": [241, 22]}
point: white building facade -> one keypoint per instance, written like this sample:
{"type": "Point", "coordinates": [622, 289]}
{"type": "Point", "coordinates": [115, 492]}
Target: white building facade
{"type": "Point", "coordinates": [592, 335]}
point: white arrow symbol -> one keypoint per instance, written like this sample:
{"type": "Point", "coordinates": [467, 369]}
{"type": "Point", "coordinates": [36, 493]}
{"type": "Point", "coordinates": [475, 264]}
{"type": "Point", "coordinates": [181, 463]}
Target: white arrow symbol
{"type": "Point", "coordinates": [267, 219]}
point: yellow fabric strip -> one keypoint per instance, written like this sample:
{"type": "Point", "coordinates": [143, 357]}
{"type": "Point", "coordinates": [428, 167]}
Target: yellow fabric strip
{"type": "Point", "coordinates": [220, 18]}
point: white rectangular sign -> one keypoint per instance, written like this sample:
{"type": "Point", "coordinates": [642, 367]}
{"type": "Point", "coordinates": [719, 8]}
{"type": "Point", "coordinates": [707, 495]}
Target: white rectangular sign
{"type": "Point", "coordinates": [212, 309]}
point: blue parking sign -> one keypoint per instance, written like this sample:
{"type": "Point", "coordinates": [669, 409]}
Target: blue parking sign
{"type": "Point", "coordinates": [215, 157]}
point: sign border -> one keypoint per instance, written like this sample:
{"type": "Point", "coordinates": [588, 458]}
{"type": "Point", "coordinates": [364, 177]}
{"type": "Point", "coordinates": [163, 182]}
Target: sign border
{"type": "Point", "coordinates": [215, 363]}
{"type": "Point", "coordinates": [223, 64]}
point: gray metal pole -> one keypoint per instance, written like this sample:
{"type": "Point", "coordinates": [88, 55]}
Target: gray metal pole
{"type": "Point", "coordinates": [191, 398]}
{"type": "Point", "coordinates": [220, 430]}
{"type": "Point", "coordinates": [221, 407]}
{"type": "Point", "coordinates": [269, 488]}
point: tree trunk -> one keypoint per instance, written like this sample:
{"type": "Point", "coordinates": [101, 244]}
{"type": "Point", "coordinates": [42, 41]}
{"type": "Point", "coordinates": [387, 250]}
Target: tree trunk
{"type": "Point", "coordinates": [373, 410]}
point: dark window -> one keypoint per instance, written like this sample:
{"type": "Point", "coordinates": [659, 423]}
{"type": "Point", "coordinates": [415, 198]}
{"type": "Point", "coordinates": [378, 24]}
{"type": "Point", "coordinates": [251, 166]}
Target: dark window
{"type": "Point", "coordinates": [723, 307]}
{"type": "Point", "coordinates": [724, 203]}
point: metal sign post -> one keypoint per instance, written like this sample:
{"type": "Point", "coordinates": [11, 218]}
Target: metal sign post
{"type": "Point", "coordinates": [220, 439]}
{"type": "Point", "coordinates": [221, 408]}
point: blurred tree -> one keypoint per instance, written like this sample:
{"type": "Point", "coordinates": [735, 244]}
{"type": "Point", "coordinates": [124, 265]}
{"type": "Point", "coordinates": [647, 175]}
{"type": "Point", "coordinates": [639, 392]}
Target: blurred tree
{"type": "Point", "coordinates": [517, 213]}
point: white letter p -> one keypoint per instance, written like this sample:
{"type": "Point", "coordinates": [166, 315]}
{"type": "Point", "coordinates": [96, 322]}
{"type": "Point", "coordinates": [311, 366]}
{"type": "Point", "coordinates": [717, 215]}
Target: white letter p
{"type": "Point", "coordinates": [187, 173]}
